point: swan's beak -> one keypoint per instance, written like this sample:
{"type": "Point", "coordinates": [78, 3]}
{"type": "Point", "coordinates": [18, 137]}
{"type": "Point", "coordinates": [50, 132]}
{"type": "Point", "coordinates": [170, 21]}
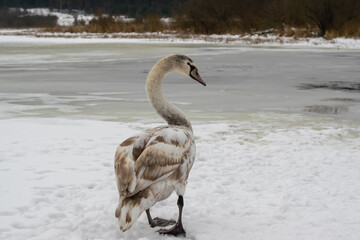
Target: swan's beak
{"type": "Point", "coordinates": [194, 74]}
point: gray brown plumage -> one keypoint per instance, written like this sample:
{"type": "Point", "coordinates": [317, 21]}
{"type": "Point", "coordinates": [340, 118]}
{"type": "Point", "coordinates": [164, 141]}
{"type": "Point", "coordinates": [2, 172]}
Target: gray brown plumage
{"type": "Point", "coordinates": [153, 164]}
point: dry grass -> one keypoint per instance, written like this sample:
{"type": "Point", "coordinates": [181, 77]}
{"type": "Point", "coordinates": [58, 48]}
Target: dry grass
{"type": "Point", "coordinates": [109, 26]}
{"type": "Point", "coordinates": [186, 25]}
{"type": "Point", "coordinates": [152, 23]}
{"type": "Point", "coordinates": [298, 32]}
{"type": "Point", "coordinates": [351, 28]}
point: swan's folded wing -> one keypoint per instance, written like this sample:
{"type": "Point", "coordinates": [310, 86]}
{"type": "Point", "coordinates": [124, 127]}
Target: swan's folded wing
{"type": "Point", "coordinates": [125, 167]}
{"type": "Point", "coordinates": [163, 156]}
{"type": "Point", "coordinates": [125, 157]}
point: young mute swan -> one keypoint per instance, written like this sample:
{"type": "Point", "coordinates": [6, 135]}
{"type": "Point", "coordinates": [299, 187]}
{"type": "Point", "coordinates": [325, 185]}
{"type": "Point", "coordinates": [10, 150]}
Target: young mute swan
{"type": "Point", "coordinates": [153, 164]}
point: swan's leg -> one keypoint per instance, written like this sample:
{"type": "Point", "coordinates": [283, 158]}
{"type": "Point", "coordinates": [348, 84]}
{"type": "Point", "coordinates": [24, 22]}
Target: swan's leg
{"type": "Point", "coordinates": [150, 220]}
{"type": "Point", "coordinates": [158, 222]}
{"type": "Point", "coordinates": [178, 228]}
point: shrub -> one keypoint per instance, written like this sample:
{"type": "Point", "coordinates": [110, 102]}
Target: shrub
{"type": "Point", "coordinates": [152, 23]}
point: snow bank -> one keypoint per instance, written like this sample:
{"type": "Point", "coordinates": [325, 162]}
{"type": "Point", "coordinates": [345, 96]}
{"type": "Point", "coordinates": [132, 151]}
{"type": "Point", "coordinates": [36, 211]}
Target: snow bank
{"type": "Point", "coordinates": [272, 176]}
{"type": "Point", "coordinates": [69, 38]}
{"type": "Point", "coordinates": [33, 36]}
{"type": "Point", "coordinates": [68, 19]}
{"type": "Point", "coordinates": [64, 19]}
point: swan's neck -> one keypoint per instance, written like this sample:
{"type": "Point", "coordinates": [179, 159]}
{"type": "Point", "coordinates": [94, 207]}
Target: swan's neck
{"type": "Point", "coordinates": [169, 112]}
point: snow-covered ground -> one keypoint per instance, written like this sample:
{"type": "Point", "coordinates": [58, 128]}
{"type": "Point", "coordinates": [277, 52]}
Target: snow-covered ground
{"type": "Point", "coordinates": [36, 36]}
{"type": "Point", "coordinates": [68, 18]}
{"type": "Point", "coordinates": [272, 176]}
{"type": "Point", "coordinates": [64, 19]}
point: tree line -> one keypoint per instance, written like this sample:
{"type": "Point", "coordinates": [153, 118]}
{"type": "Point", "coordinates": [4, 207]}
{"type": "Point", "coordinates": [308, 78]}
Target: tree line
{"type": "Point", "coordinates": [289, 17]}
{"type": "Point", "coordinates": [317, 17]}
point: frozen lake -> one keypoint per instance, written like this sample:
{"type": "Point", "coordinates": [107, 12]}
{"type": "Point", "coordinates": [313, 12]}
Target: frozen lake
{"type": "Point", "coordinates": [277, 133]}
{"type": "Point", "coordinates": [107, 81]}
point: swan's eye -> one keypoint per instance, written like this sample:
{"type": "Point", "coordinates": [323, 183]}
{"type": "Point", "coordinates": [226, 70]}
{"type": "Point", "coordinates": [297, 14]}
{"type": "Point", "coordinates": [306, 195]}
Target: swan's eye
{"type": "Point", "coordinates": [188, 63]}
{"type": "Point", "coordinates": [192, 67]}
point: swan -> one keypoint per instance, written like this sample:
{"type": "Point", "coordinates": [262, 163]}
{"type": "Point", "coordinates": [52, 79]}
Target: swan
{"type": "Point", "coordinates": [149, 167]}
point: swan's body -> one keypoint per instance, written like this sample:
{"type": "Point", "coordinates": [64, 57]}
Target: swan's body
{"type": "Point", "coordinates": [153, 164]}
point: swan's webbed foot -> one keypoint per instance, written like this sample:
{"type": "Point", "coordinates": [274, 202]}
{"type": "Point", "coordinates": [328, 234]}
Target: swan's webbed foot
{"type": "Point", "coordinates": [176, 230]}
{"type": "Point", "coordinates": [158, 222]}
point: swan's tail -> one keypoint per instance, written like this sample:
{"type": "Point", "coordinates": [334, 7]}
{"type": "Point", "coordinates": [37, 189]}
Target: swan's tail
{"type": "Point", "coordinates": [130, 208]}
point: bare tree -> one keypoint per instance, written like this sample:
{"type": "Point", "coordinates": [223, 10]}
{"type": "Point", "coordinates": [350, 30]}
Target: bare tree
{"type": "Point", "coordinates": [321, 13]}
{"type": "Point", "coordinates": [331, 14]}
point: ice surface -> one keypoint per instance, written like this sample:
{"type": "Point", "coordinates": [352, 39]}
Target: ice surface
{"type": "Point", "coordinates": [106, 80]}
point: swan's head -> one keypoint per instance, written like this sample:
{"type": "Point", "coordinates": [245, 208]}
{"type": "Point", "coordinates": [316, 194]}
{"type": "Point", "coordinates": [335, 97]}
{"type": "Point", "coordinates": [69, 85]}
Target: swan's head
{"type": "Point", "coordinates": [186, 66]}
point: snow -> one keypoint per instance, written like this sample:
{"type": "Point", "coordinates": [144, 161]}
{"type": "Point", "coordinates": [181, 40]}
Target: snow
{"type": "Point", "coordinates": [273, 176]}
{"type": "Point", "coordinates": [63, 40]}
{"type": "Point", "coordinates": [68, 19]}
{"type": "Point", "coordinates": [64, 19]}
{"type": "Point", "coordinates": [33, 36]}
{"type": "Point", "coordinates": [123, 18]}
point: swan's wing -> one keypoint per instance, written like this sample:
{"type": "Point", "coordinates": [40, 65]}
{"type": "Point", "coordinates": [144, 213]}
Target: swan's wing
{"type": "Point", "coordinates": [153, 156]}
{"type": "Point", "coordinates": [165, 155]}
{"type": "Point", "coordinates": [125, 157]}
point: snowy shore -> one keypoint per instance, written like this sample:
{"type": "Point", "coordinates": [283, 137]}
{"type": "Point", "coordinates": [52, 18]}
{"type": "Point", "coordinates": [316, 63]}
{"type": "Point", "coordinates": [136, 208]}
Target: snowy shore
{"type": "Point", "coordinates": [251, 180]}
{"type": "Point", "coordinates": [68, 18]}
{"type": "Point", "coordinates": [271, 40]}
